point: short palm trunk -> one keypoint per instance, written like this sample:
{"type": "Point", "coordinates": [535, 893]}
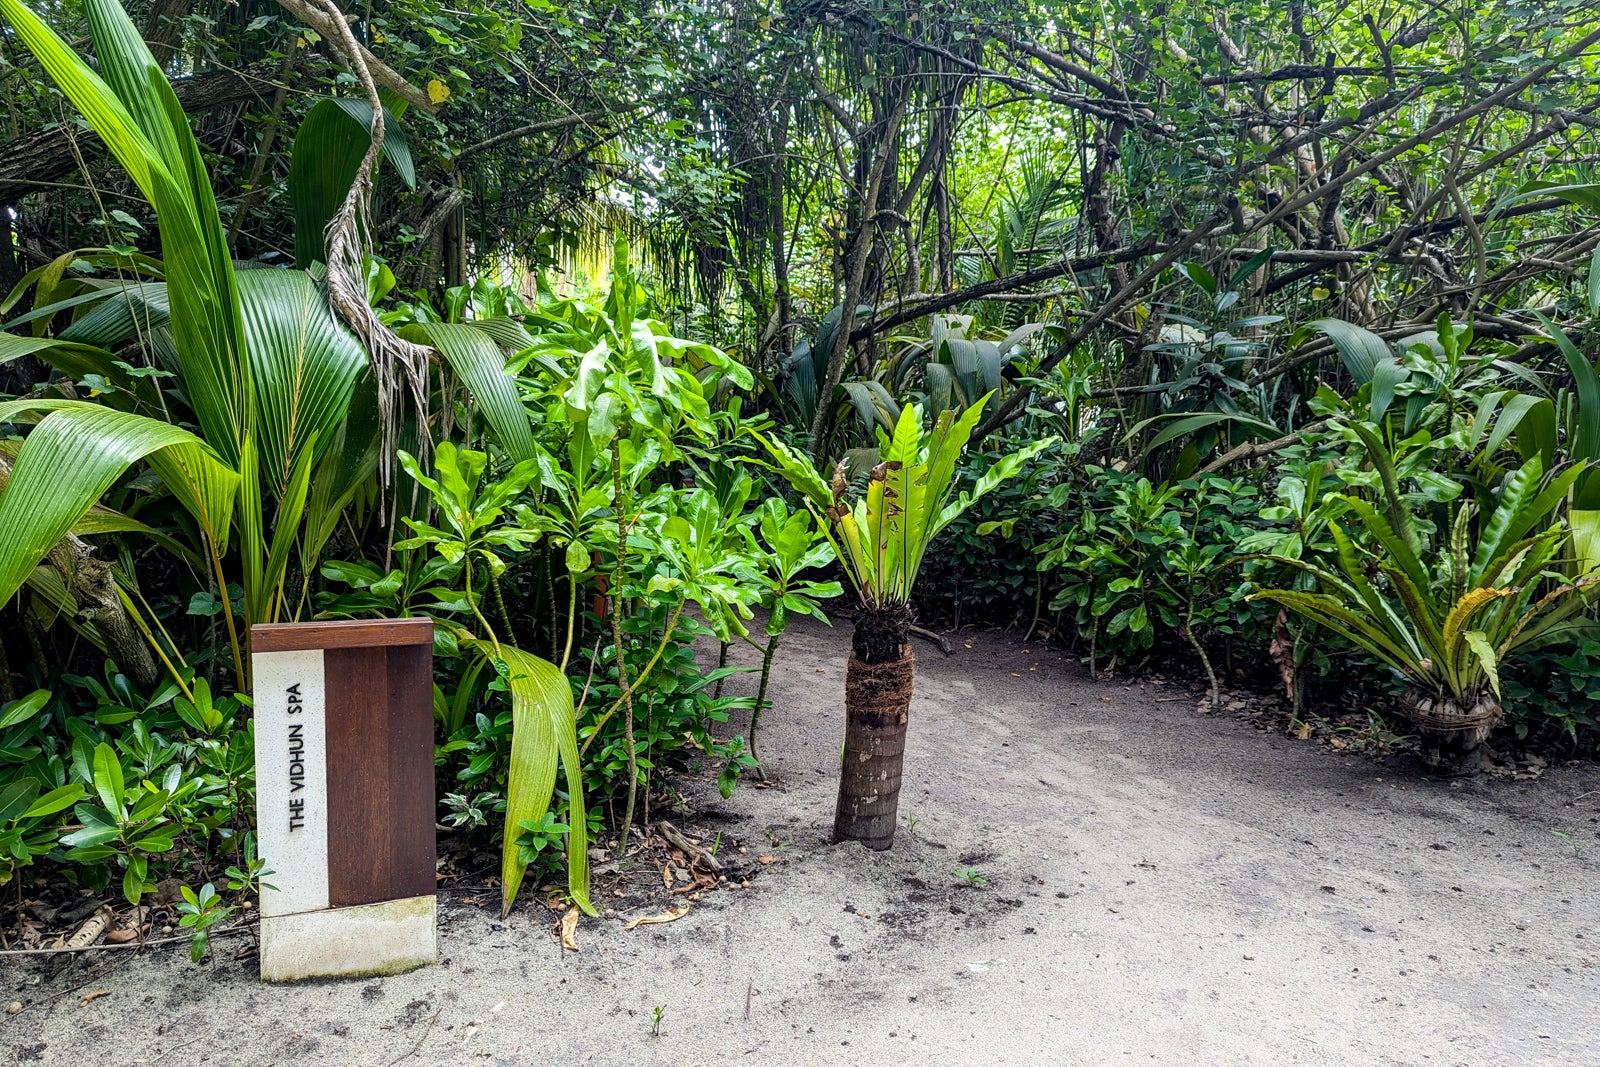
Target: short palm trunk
{"type": "Point", "coordinates": [1451, 730]}
{"type": "Point", "coordinates": [877, 700]}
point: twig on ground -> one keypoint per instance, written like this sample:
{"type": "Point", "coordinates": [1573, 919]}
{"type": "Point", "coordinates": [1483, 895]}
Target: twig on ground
{"type": "Point", "coordinates": [174, 1048]}
{"type": "Point", "coordinates": [125, 945]}
{"type": "Point", "coordinates": [426, 1030]}
{"type": "Point", "coordinates": [929, 635]}
{"type": "Point", "coordinates": [695, 852]}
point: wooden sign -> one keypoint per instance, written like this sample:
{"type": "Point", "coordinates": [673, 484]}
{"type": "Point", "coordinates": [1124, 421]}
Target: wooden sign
{"type": "Point", "coordinates": [344, 796]}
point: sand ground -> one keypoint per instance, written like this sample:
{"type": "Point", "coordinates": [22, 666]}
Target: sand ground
{"type": "Point", "coordinates": [1161, 887]}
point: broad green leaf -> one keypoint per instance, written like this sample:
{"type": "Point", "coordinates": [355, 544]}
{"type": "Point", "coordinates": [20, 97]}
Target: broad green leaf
{"type": "Point", "coordinates": [480, 364]}
{"type": "Point", "coordinates": [108, 782]}
{"type": "Point", "coordinates": [1360, 349]}
{"type": "Point", "coordinates": [204, 485]}
{"type": "Point", "coordinates": [1585, 525]}
{"type": "Point", "coordinates": [543, 733]}
{"type": "Point", "coordinates": [58, 799]}
{"type": "Point", "coordinates": [334, 136]}
{"type": "Point", "coordinates": [15, 799]}
{"type": "Point", "coordinates": [1181, 425]}
{"type": "Point", "coordinates": [1478, 642]}
{"type": "Point", "coordinates": [25, 708]}
{"type": "Point", "coordinates": [304, 363]}
{"type": "Point", "coordinates": [69, 459]}
{"type": "Point", "coordinates": [269, 592]}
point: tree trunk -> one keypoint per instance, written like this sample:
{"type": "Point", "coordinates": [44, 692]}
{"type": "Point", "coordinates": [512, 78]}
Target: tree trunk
{"type": "Point", "coordinates": [860, 253]}
{"type": "Point", "coordinates": [47, 155]}
{"type": "Point", "coordinates": [877, 699]}
{"type": "Point", "coordinates": [1450, 731]}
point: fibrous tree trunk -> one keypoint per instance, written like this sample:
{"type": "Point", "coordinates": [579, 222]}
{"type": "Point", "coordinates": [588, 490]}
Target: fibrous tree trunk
{"type": "Point", "coordinates": [877, 702]}
{"type": "Point", "coordinates": [1450, 729]}
{"type": "Point", "coordinates": [93, 589]}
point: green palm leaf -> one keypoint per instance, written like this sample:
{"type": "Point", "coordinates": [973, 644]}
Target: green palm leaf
{"type": "Point", "coordinates": [70, 459]}
{"type": "Point", "coordinates": [1360, 349]}
{"type": "Point", "coordinates": [543, 733]}
{"type": "Point", "coordinates": [206, 487]}
{"type": "Point", "coordinates": [333, 138]}
{"type": "Point", "coordinates": [474, 356]}
{"type": "Point", "coordinates": [136, 113]}
{"type": "Point", "coordinates": [351, 459]}
{"type": "Point", "coordinates": [304, 363]}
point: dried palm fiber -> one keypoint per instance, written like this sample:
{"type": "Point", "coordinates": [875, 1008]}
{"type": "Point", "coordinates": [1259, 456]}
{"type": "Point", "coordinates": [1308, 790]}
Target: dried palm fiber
{"type": "Point", "coordinates": [877, 702]}
{"type": "Point", "coordinates": [1443, 714]}
{"type": "Point", "coordinates": [399, 366]}
{"type": "Point", "coordinates": [1450, 731]}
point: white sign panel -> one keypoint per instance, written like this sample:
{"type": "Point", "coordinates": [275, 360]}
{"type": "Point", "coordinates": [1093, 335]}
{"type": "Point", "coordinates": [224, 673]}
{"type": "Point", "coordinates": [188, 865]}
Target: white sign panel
{"type": "Point", "coordinates": [292, 780]}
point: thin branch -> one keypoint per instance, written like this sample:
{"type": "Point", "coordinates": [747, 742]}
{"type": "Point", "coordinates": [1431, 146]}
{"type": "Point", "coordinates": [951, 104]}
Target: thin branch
{"type": "Point", "coordinates": [588, 118]}
{"type": "Point", "coordinates": [335, 28]}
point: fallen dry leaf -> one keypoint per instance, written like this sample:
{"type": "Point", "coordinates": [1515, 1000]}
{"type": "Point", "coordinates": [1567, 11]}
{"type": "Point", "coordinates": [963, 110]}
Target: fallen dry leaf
{"type": "Point", "coordinates": [96, 995]}
{"type": "Point", "coordinates": [569, 930]}
{"type": "Point", "coordinates": [1282, 652]}
{"type": "Point", "coordinates": [667, 916]}
{"type": "Point", "coordinates": [122, 936]}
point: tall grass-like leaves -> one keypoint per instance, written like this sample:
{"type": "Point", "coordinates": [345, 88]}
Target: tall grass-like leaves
{"type": "Point", "coordinates": [72, 456]}
{"type": "Point", "coordinates": [544, 734]}
{"type": "Point", "coordinates": [134, 110]}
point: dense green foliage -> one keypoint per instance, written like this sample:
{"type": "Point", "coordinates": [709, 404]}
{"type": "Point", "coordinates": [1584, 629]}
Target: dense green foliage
{"type": "Point", "coordinates": [1258, 339]}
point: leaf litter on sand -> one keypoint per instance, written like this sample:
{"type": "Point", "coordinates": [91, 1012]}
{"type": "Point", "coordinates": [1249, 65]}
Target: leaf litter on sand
{"type": "Point", "coordinates": [670, 915]}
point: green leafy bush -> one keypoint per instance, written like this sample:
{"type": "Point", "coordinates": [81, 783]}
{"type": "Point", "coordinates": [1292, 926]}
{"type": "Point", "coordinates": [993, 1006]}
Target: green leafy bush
{"type": "Point", "coordinates": [1553, 694]}
{"type": "Point", "coordinates": [107, 784]}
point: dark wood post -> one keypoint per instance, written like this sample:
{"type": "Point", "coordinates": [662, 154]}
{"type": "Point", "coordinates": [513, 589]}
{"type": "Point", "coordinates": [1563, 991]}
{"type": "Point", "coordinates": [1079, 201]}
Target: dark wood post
{"type": "Point", "coordinates": [344, 796]}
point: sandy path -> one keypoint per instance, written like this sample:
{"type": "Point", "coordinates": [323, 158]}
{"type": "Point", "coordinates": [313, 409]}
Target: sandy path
{"type": "Point", "coordinates": [1162, 888]}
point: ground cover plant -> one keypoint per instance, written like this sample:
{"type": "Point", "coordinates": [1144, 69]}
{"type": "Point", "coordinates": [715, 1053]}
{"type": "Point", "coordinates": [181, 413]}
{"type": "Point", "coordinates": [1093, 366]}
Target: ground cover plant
{"type": "Point", "coordinates": [1252, 343]}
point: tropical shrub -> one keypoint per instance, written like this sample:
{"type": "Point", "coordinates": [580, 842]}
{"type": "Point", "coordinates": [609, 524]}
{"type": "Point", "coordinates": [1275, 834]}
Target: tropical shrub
{"type": "Point", "coordinates": [1448, 614]}
{"type": "Point", "coordinates": [1552, 694]}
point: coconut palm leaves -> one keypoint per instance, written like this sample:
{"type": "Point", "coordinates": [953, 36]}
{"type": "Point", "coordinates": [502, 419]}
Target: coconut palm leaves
{"type": "Point", "coordinates": [41, 499]}
{"type": "Point", "coordinates": [333, 138]}
{"type": "Point", "coordinates": [883, 536]}
{"type": "Point", "coordinates": [134, 110]}
{"type": "Point", "coordinates": [258, 358]}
